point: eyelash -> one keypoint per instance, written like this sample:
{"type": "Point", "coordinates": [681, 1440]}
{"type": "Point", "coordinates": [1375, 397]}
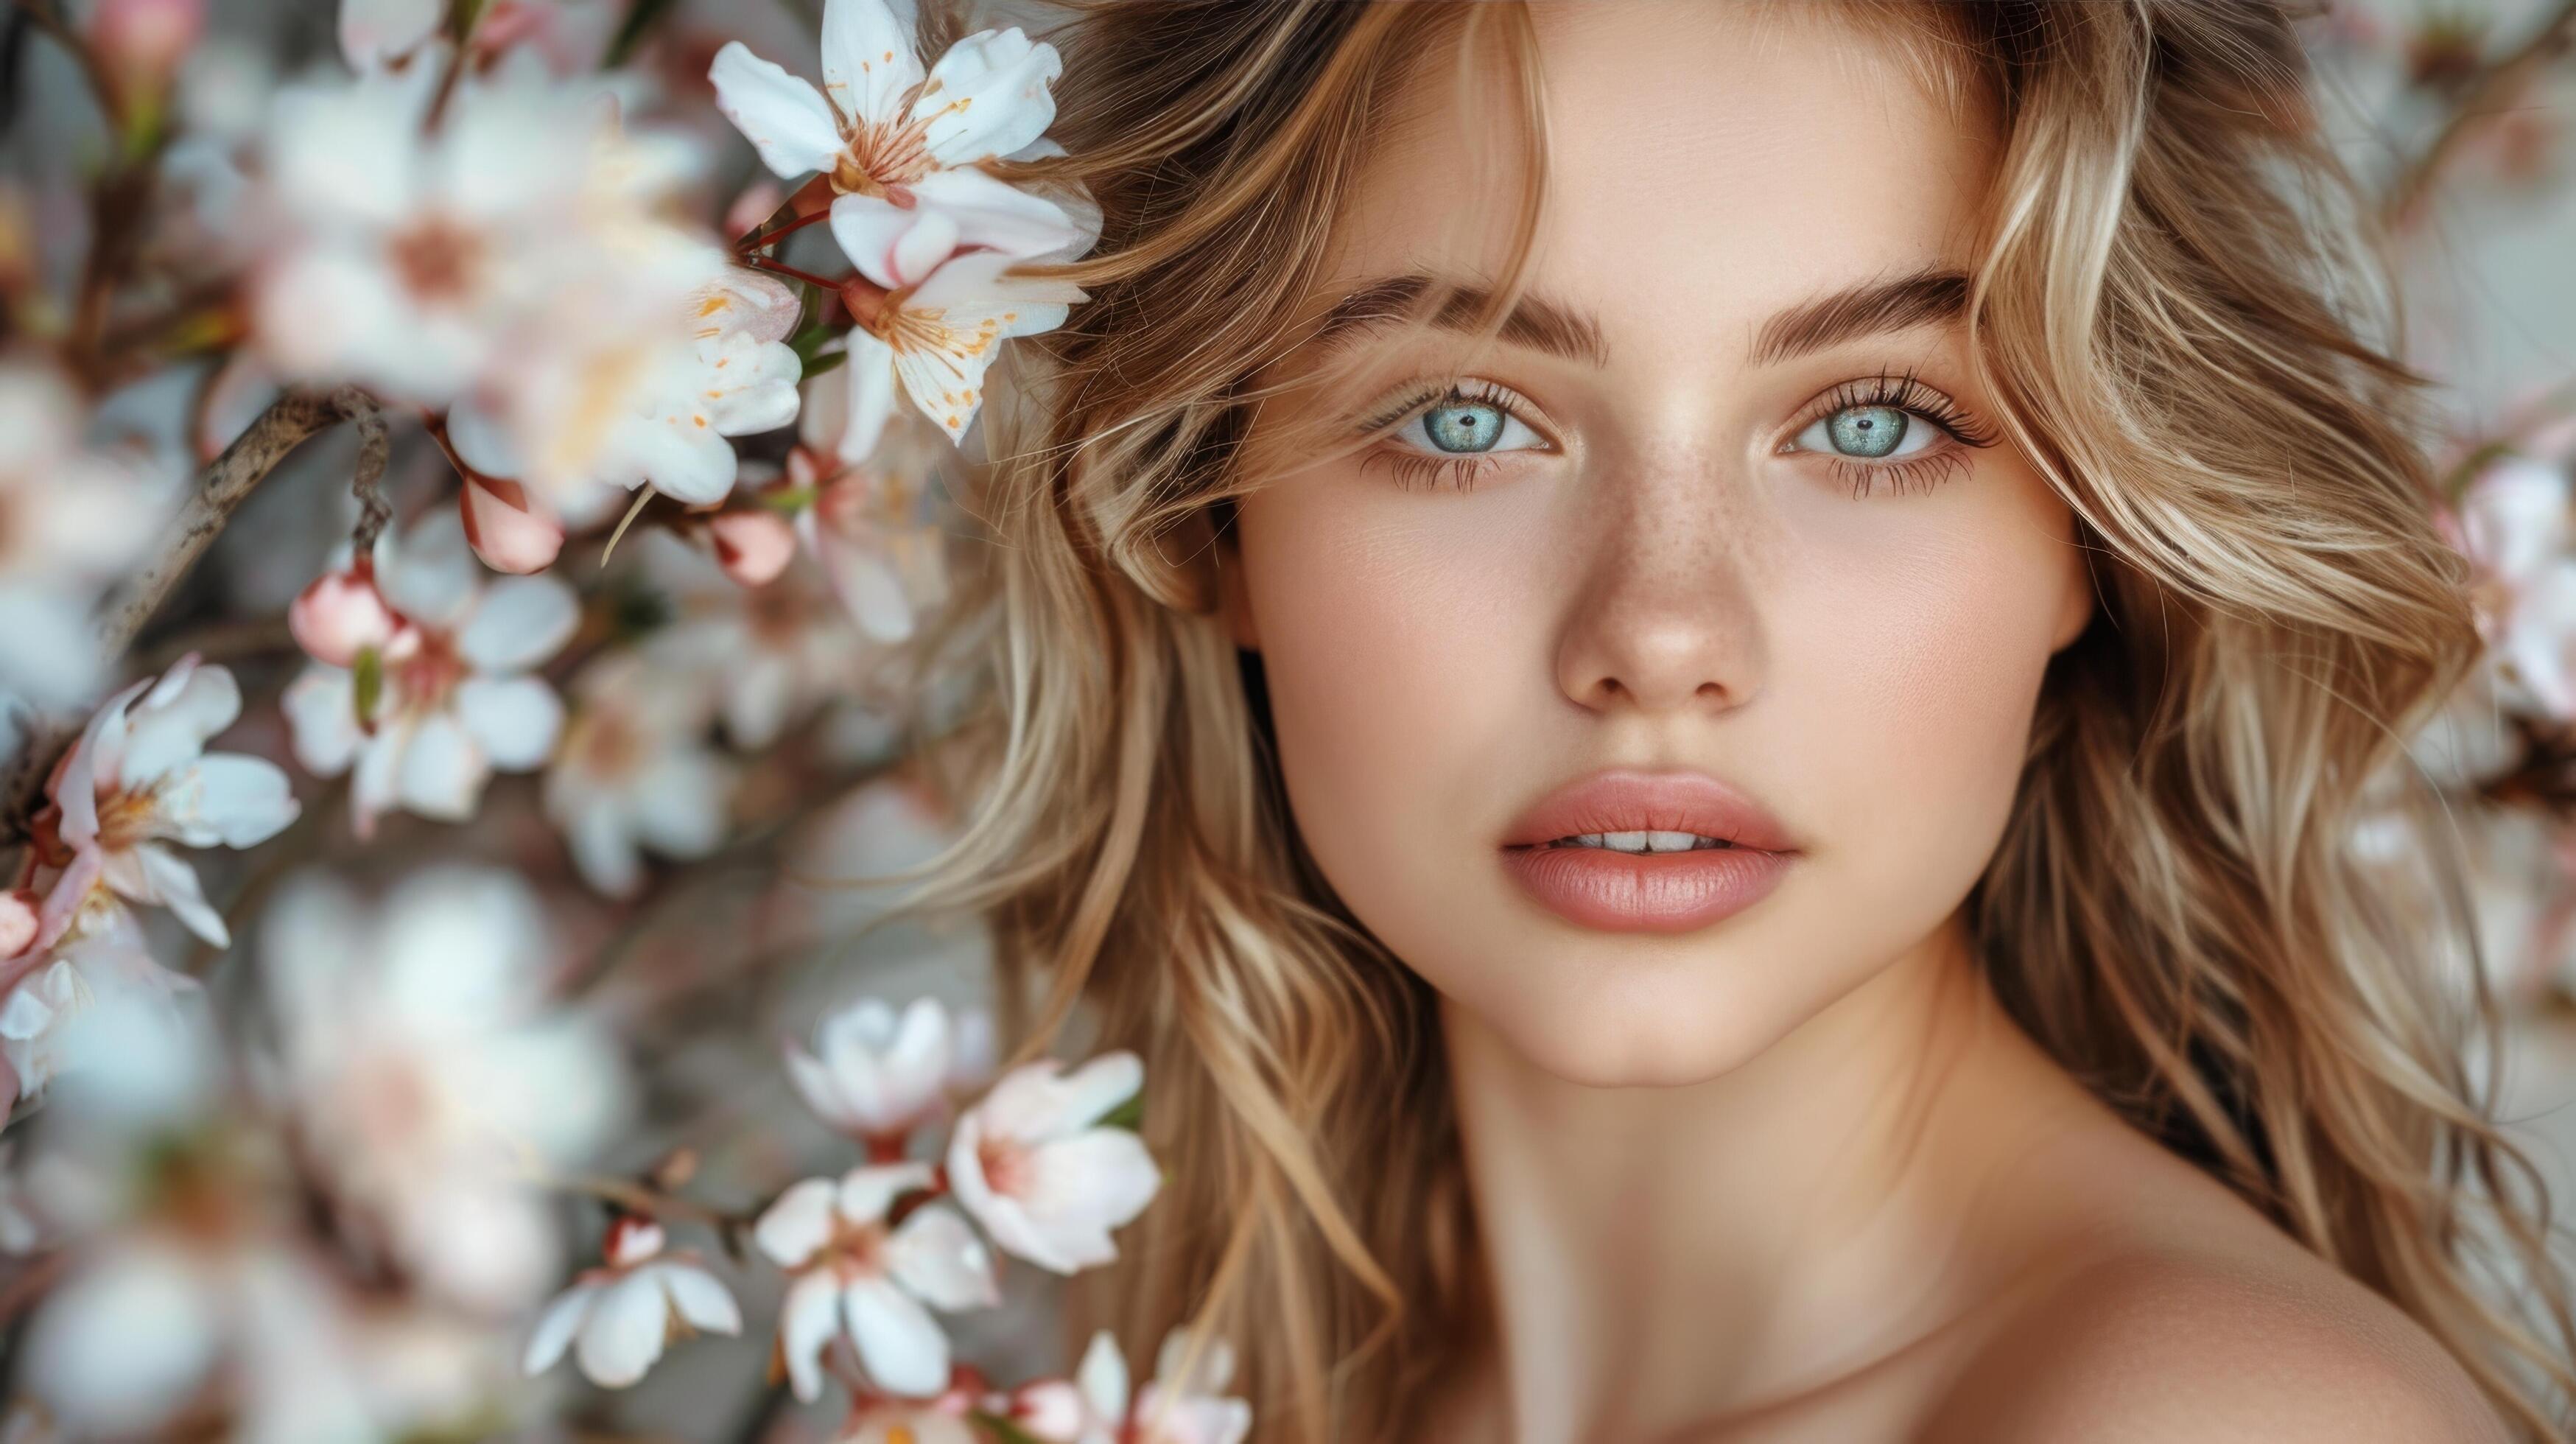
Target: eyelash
{"type": "Point", "coordinates": [1900, 393]}
{"type": "Point", "coordinates": [1421, 470]}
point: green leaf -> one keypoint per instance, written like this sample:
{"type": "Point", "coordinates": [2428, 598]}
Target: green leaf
{"type": "Point", "coordinates": [1129, 1115]}
{"type": "Point", "coordinates": [827, 363]}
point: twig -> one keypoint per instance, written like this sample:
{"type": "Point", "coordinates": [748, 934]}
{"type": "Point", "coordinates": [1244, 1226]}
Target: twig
{"type": "Point", "coordinates": [2493, 89]}
{"type": "Point", "coordinates": [293, 420]}
{"type": "Point", "coordinates": [296, 418]}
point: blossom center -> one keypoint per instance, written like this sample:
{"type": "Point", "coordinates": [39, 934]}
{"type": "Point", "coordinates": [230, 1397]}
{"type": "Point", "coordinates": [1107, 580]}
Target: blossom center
{"type": "Point", "coordinates": [608, 746]}
{"type": "Point", "coordinates": [1009, 1169]}
{"type": "Point", "coordinates": [125, 818]}
{"type": "Point", "coordinates": [424, 678]}
{"type": "Point", "coordinates": [436, 259]}
{"type": "Point", "coordinates": [880, 160]}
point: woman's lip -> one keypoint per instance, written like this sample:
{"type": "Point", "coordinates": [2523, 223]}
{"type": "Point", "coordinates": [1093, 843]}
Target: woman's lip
{"type": "Point", "coordinates": [1626, 801]}
{"type": "Point", "coordinates": [1654, 892]}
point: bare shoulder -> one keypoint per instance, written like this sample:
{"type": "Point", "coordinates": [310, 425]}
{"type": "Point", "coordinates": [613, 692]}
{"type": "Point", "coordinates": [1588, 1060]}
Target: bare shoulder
{"type": "Point", "coordinates": [2161, 1341]}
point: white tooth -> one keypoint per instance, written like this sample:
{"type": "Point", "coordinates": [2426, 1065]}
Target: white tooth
{"type": "Point", "coordinates": [1625, 841]}
{"type": "Point", "coordinates": [1587, 839]}
{"type": "Point", "coordinates": [1672, 841]}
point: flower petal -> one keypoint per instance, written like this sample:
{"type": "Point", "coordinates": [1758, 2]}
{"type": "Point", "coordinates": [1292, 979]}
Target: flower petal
{"type": "Point", "coordinates": [175, 886]}
{"type": "Point", "coordinates": [682, 803]}
{"type": "Point", "coordinates": [807, 1320]}
{"type": "Point", "coordinates": [514, 719]}
{"type": "Point", "coordinates": [993, 213]}
{"type": "Point", "coordinates": [936, 1256]}
{"type": "Point", "coordinates": [872, 390]}
{"type": "Point", "coordinates": [894, 246]}
{"type": "Point", "coordinates": [785, 118]}
{"type": "Point", "coordinates": [556, 1326]}
{"type": "Point", "coordinates": [429, 574]}
{"type": "Point", "coordinates": [866, 1192]}
{"type": "Point", "coordinates": [1099, 1086]}
{"type": "Point", "coordinates": [228, 800]}
{"type": "Point", "coordinates": [519, 622]}
{"type": "Point", "coordinates": [868, 59]}
{"type": "Point", "coordinates": [988, 96]}
{"type": "Point", "coordinates": [625, 1330]}
{"type": "Point", "coordinates": [700, 1298]}
{"type": "Point", "coordinates": [602, 843]}
{"type": "Point", "coordinates": [899, 1343]}
{"type": "Point", "coordinates": [813, 1083]}
{"type": "Point", "coordinates": [442, 772]}
{"type": "Point", "coordinates": [798, 1224]}
{"type": "Point", "coordinates": [1102, 1377]}
{"type": "Point", "coordinates": [172, 724]}
{"type": "Point", "coordinates": [322, 713]}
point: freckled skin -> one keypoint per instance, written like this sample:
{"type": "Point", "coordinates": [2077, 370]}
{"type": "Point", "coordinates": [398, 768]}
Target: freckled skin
{"type": "Point", "coordinates": [1793, 1175]}
{"type": "Point", "coordinates": [1865, 667]}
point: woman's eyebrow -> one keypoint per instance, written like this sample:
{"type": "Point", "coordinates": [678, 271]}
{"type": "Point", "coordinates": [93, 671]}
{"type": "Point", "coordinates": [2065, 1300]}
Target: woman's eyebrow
{"type": "Point", "coordinates": [1535, 322]}
{"type": "Point", "coordinates": [1931, 296]}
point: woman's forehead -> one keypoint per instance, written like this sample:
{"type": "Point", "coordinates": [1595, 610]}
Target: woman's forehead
{"type": "Point", "coordinates": [1708, 165]}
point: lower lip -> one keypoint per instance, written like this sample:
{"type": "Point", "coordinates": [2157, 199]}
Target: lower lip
{"type": "Point", "coordinates": [1655, 892]}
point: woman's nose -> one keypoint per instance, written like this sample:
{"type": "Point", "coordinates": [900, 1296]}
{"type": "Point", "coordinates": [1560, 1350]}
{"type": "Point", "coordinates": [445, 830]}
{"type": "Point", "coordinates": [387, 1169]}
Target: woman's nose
{"type": "Point", "coordinates": [1662, 618]}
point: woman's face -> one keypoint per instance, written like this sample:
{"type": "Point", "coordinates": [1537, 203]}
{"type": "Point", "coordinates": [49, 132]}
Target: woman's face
{"type": "Point", "coordinates": [1702, 551]}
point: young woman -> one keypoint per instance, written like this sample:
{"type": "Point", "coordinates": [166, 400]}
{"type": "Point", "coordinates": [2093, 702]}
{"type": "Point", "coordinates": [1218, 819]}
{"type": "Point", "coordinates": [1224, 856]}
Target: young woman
{"type": "Point", "coordinates": [1697, 675]}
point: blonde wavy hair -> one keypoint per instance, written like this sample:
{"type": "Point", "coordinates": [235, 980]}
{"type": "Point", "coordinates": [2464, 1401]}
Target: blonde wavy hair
{"type": "Point", "coordinates": [2171, 309]}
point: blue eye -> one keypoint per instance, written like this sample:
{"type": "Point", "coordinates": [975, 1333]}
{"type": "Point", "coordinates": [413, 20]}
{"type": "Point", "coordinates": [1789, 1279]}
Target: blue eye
{"type": "Point", "coordinates": [1869, 433]}
{"type": "Point", "coordinates": [1461, 426]}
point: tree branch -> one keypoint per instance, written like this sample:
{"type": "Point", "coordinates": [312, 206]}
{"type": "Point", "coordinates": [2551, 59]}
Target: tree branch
{"type": "Point", "coordinates": [2494, 89]}
{"type": "Point", "coordinates": [296, 418]}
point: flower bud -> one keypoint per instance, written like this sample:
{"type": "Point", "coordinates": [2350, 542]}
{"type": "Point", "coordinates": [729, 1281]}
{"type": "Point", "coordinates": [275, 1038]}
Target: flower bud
{"type": "Point", "coordinates": [752, 546]}
{"type": "Point", "coordinates": [141, 42]}
{"type": "Point", "coordinates": [505, 530]}
{"type": "Point", "coordinates": [340, 615]}
{"type": "Point", "coordinates": [19, 923]}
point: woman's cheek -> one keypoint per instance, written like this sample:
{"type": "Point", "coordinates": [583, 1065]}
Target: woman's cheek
{"type": "Point", "coordinates": [1913, 664]}
{"type": "Point", "coordinates": [1397, 640]}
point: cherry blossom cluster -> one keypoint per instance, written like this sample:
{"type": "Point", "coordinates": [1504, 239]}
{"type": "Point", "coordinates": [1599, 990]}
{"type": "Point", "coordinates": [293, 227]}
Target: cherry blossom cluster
{"type": "Point", "coordinates": [304, 1112]}
{"type": "Point", "coordinates": [1042, 1168]}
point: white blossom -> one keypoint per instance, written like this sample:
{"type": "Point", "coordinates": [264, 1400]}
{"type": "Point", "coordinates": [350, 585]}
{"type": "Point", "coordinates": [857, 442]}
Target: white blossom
{"type": "Point", "coordinates": [1184, 1404]}
{"type": "Point", "coordinates": [769, 655]}
{"type": "Point", "coordinates": [855, 1274]}
{"type": "Point", "coordinates": [869, 523]}
{"type": "Point", "coordinates": [140, 778]}
{"type": "Point", "coordinates": [616, 1319]}
{"type": "Point", "coordinates": [47, 993]}
{"type": "Point", "coordinates": [636, 773]}
{"type": "Point", "coordinates": [1038, 1170]}
{"type": "Point", "coordinates": [429, 1074]}
{"type": "Point", "coordinates": [459, 698]}
{"type": "Point", "coordinates": [75, 518]}
{"type": "Point", "coordinates": [514, 260]}
{"type": "Point", "coordinates": [877, 1074]}
{"type": "Point", "coordinates": [725, 370]}
{"type": "Point", "coordinates": [901, 149]}
{"type": "Point", "coordinates": [2516, 523]}
{"type": "Point", "coordinates": [933, 342]}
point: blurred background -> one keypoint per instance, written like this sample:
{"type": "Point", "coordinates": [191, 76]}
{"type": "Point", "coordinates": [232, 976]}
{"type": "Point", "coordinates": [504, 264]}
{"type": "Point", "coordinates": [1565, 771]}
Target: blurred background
{"type": "Point", "coordinates": [649, 865]}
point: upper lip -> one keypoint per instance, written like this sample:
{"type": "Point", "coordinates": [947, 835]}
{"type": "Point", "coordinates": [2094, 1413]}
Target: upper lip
{"type": "Point", "coordinates": [1622, 800]}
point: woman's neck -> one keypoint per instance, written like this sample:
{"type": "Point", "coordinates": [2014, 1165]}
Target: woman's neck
{"type": "Point", "coordinates": [1662, 1254]}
